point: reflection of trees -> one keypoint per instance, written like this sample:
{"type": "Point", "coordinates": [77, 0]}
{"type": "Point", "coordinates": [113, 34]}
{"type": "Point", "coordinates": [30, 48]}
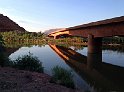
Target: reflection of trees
{"type": "Point", "coordinates": [17, 44]}
{"type": "Point", "coordinates": [118, 48]}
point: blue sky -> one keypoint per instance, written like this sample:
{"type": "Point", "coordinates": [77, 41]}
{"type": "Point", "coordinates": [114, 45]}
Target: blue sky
{"type": "Point", "coordinates": [40, 15]}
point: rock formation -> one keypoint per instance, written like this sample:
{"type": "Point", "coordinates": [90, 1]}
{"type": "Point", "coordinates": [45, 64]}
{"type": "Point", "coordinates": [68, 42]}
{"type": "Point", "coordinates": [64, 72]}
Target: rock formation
{"type": "Point", "coordinates": [6, 24]}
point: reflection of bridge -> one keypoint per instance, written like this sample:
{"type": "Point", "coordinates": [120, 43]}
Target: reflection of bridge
{"type": "Point", "coordinates": [99, 74]}
{"type": "Point", "coordinates": [95, 31]}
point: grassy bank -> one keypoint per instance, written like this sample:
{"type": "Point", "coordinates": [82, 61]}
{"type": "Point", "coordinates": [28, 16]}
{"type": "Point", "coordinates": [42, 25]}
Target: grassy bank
{"type": "Point", "coordinates": [63, 77]}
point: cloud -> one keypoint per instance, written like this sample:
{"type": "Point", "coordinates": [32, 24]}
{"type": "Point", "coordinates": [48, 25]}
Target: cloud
{"type": "Point", "coordinates": [24, 22]}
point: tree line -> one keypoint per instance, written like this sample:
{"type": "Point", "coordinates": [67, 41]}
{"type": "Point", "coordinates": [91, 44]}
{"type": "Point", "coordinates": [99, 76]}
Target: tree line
{"type": "Point", "coordinates": [15, 36]}
{"type": "Point", "coordinates": [113, 40]}
{"type": "Point", "coordinates": [21, 36]}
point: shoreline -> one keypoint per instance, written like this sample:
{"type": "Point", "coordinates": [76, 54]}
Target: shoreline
{"type": "Point", "coordinates": [85, 44]}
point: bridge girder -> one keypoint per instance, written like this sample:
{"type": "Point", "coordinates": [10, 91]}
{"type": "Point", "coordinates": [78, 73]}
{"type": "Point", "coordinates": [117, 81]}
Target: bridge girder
{"type": "Point", "coordinates": [104, 28]}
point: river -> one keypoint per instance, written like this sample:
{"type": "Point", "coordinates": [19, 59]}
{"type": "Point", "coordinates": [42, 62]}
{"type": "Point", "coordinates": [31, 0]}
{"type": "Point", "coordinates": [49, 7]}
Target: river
{"type": "Point", "coordinates": [105, 76]}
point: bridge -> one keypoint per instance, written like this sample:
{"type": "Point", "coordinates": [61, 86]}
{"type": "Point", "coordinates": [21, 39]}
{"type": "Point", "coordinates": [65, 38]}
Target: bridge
{"type": "Point", "coordinates": [104, 28]}
{"type": "Point", "coordinates": [99, 74]}
{"type": "Point", "coordinates": [94, 31]}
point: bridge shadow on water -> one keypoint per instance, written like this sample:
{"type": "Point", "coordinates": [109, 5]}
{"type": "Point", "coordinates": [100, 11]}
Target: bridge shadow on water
{"type": "Point", "coordinates": [103, 76]}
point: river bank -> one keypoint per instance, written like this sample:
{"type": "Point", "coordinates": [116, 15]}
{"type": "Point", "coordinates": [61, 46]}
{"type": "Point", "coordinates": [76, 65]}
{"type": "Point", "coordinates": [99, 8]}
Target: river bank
{"type": "Point", "coordinates": [14, 80]}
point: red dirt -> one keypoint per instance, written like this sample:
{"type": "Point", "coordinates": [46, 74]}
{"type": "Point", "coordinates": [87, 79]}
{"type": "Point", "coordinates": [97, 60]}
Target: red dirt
{"type": "Point", "coordinates": [13, 80]}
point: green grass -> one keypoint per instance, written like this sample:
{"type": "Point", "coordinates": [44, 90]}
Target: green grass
{"type": "Point", "coordinates": [63, 77]}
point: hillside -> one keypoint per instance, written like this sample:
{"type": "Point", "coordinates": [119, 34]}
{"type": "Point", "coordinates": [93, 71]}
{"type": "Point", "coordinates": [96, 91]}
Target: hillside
{"type": "Point", "coordinates": [52, 30]}
{"type": "Point", "coordinates": [6, 24]}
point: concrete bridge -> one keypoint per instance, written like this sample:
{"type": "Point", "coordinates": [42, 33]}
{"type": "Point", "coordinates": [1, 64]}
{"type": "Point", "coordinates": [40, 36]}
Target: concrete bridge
{"type": "Point", "coordinates": [94, 31]}
{"type": "Point", "coordinates": [99, 74]}
{"type": "Point", "coordinates": [104, 28]}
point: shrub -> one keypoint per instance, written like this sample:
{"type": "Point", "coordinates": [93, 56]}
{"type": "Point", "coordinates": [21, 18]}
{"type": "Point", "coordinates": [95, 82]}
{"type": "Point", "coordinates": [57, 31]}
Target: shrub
{"type": "Point", "coordinates": [1, 40]}
{"type": "Point", "coordinates": [62, 77]}
{"type": "Point", "coordinates": [4, 60]}
{"type": "Point", "coordinates": [28, 62]}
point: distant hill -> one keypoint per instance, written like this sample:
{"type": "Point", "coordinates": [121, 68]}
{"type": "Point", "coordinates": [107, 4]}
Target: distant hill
{"type": "Point", "coordinates": [6, 24]}
{"type": "Point", "coordinates": [52, 30]}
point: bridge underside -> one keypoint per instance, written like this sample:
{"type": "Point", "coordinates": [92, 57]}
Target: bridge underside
{"type": "Point", "coordinates": [95, 31]}
{"type": "Point", "coordinates": [106, 30]}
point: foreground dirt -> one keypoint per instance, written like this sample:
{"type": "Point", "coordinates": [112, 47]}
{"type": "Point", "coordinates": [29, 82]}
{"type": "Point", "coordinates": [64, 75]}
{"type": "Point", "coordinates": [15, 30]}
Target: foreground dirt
{"type": "Point", "coordinates": [13, 80]}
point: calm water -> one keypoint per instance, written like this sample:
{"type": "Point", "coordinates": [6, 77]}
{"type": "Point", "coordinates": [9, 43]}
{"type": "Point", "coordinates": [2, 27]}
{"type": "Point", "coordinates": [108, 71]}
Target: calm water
{"type": "Point", "coordinates": [106, 76]}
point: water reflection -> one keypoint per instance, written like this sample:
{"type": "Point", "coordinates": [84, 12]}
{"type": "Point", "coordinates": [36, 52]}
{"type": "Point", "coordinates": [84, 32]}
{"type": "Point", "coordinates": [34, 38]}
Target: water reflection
{"type": "Point", "coordinates": [103, 76]}
{"type": "Point", "coordinates": [118, 48]}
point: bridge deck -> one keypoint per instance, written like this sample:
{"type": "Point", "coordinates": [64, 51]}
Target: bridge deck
{"type": "Point", "coordinates": [102, 22]}
{"type": "Point", "coordinates": [104, 28]}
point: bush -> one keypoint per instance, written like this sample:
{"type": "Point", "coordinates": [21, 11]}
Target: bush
{"type": "Point", "coordinates": [4, 60]}
{"type": "Point", "coordinates": [62, 77]}
{"type": "Point", "coordinates": [28, 62]}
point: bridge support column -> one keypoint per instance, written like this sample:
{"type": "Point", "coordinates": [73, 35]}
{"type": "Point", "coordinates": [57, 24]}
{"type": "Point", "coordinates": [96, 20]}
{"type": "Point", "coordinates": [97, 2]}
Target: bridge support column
{"type": "Point", "coordinates": [94, 44]}
{"type": "Point", "coordinates": [94, 51]}
{"type": "Point", "coordinates": [54, 37]}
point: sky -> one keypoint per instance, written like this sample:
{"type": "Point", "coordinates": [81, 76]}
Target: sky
{"type": "Point", "coordinates": [41, 15]}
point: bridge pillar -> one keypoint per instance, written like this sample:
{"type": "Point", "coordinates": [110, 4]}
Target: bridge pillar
{"type": "Point", "coordinates": [94, 44]}
{"type": "Point", "coordinates": [94, 51]}
{"type": "Point", "coordinates": [54, 37]}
